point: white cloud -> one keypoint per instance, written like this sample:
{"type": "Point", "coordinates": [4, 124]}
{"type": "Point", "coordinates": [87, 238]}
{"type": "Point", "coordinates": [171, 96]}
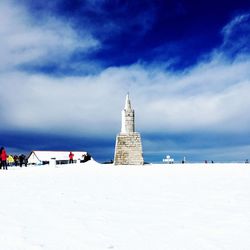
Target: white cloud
{"type": "Point", "coordinates": [235, 24]}
{"type": "Point", "coordinates": [163, 102]}
{"type": "Point", "coordinates": [212, 96]}
{"type": "Point", "coordinates": [24, 40]}
{"type": "Point", "coordinates": [236, 35]}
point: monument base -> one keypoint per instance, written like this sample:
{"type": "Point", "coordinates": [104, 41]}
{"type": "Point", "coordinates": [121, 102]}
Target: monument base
{"type": "Point", "coordinates": [128, 149]}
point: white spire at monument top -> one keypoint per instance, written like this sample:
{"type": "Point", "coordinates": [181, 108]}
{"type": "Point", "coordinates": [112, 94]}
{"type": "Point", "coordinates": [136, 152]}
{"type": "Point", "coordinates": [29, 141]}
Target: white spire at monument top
{"type": "Point", "coordinates": [127, 102]}
{"type": "Point", "coordinates": [128, 117]}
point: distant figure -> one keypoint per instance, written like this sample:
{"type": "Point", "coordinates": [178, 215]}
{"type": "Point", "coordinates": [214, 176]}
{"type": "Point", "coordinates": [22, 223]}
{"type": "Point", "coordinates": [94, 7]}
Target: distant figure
{"type": "Point", "coordinates": [71, 156]}
{"type": "Point", "coordinates": [10, 160]}
{"type": "Point", "coordinates": [0, 158]}
{"type": "Point", "coordinates": [184, 160]}
{"type": "Point", "coordinates": [205, 161]}
{"type": "Point", "coordinates": [26, 161]}
{"type": "Point", "coordinates": [16, 159]}
{"type": "Point", "coordinates": [85, 157]}
{"type": "Point", "coordinates": [21, 160]}
{"type": "Point", "coordinates": [246, 161]}
{"type": "Point", "coordinates": [212, 161]}
{"type": "Point", "coordinates": [4, 157]}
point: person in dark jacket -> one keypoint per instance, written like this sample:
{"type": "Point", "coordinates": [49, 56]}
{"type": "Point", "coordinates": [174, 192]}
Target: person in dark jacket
{"type": "Point", "coordinates": [87, 157]}
{"type": "Point", "coordinates": [21, 159]}
{"type": "Point", "coordinates": [4, 157]}
{"type": "Point", "coordinates": [26, 161]}
{"type": "Point", "coordinates": [16, 159]}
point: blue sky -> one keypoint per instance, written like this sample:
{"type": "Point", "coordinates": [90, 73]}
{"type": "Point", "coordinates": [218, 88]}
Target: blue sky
{"type": "Point", "coordinates": [66, 67]}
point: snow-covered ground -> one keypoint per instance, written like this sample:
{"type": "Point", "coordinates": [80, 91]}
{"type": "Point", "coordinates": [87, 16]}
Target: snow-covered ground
{"type": "Point", "coordinates": [156, 207]}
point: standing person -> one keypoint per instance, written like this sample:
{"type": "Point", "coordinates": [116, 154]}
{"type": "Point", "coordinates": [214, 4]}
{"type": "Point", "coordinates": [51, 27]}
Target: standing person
{"type": "Point", "coordinates": [21, 159]}
{"type": "Point", "coordinates": [10, 160]}
{"type": "Point", "coordinates": [26, 161]}
{"type": "Point", "coordinates": [16, 160]}
{"type": "Point", "coordinates": [71, 156]}
{"type": "Point", "coordinates": [87, 157]}
{"type": "Point", "coordinates": [4, 157]}
{"type": "Point", "coordinates": [0, 158]}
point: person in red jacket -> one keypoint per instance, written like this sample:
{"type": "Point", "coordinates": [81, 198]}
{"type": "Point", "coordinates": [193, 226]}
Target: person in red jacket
{"type": "Point", "coordinates": [4, 157]}
{"type": "Point", "coordinates": [71, 156]}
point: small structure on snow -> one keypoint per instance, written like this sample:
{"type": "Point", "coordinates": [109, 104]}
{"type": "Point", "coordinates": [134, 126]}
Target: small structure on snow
{"type": "Point", "coordinates": [168, 160]}
{"type": "Point", "coordinates": [59, 157]}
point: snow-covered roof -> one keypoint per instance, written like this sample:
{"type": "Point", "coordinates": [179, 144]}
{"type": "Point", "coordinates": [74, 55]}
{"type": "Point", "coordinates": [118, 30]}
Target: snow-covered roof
{"type": "Point", "coordinates": [36, 157]}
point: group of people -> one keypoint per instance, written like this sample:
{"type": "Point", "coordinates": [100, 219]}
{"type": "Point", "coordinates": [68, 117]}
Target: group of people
{"type": "Point", "coordinates": [207, 161]}
{"type": "Point", "coordinates": [17, 160]}
{"type": "Point", "coordinates": [10, 160]}
{"type": "Point", "coordinates": [84, 158]}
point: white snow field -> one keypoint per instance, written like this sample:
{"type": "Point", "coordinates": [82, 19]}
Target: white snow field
{"type": "Point", "coordinates": [156, 207]}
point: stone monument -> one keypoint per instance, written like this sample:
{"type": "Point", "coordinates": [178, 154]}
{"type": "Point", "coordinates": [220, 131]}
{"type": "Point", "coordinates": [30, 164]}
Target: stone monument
{"type": "Point", "coordinates": [128, 148]}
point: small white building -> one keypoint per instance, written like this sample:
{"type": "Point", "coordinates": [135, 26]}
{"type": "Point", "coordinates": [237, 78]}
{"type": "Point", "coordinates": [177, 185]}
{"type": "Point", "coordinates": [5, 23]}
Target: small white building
{"type": "Point", "coordinates": [168, 160]}
{"type": "Point", "coordinates": [61, 157]}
